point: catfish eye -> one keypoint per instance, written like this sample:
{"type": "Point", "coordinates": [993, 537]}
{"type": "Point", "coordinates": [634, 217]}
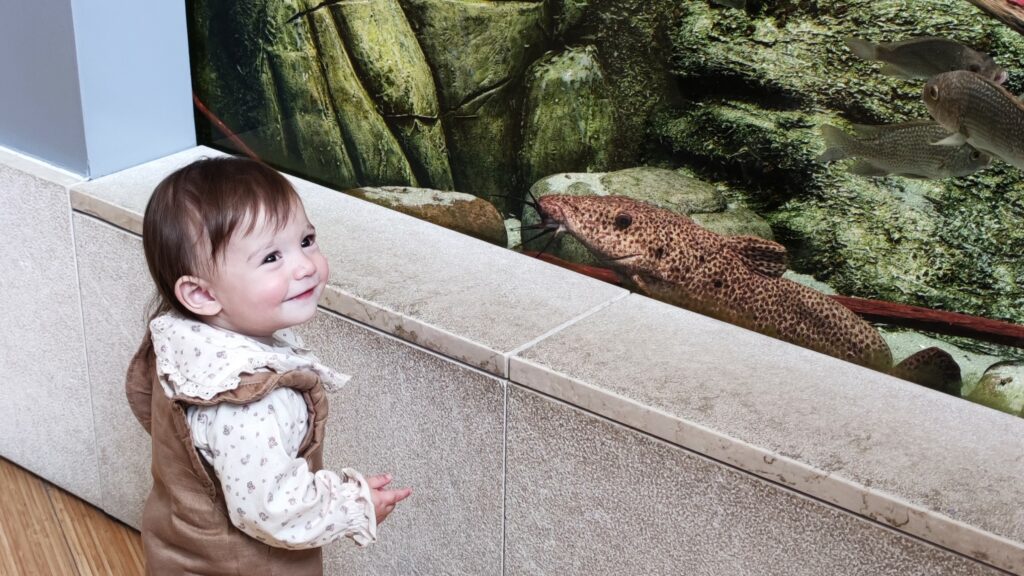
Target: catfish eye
{"type": "Point", "coordinates": [933, 92]}
{"type": "Point", "coordinates": [623, 220]}
{"type": "Point", "coordinates": [975, 155]}
{"type": "Point", "coordinates": [974, 68]}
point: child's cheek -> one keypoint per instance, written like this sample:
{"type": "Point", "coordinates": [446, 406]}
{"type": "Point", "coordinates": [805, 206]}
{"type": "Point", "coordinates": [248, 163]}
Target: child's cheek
{"type": "Point", "coordinates": [325, 269]}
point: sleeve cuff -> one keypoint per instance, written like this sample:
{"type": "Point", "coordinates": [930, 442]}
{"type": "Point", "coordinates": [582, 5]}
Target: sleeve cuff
{"type": "Point", "coordinates": [362, 532]}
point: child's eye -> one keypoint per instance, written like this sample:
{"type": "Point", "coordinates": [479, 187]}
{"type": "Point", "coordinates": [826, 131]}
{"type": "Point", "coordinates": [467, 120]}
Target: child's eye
{"type": "Point", "coordinates": [271, 258]}
{"type": "Point", "coordinates": [309, 241]}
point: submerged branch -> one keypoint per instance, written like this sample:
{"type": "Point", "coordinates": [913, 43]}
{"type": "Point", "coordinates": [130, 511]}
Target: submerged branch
{"type": "Point", "coordinates": [1006, 11]}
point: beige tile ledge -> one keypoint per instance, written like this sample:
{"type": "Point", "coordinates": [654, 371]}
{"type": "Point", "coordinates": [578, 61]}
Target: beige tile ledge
{"type": "Point", "coordinates": [447, 292]}
{"type": "Point", "coordinates": [37, 168]}
{"type": "Point", "coordinates": [927, 464]}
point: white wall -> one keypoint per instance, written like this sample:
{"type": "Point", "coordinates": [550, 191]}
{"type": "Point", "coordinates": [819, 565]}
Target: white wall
{"type": "Point", "coordinates": [95, 86]}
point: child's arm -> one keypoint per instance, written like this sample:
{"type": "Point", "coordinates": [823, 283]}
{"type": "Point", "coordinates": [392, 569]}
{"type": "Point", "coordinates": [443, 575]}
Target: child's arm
{"type": "Point", "coordinates": [271, 494]}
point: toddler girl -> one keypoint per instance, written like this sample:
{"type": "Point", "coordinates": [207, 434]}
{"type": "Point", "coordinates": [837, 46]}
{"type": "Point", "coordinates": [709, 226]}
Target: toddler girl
{"type": "Point", "coordinates": [234, 403]}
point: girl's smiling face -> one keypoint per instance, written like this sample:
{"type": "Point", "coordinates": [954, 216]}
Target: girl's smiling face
{"type": "Point", "coordinates": [268, 279]}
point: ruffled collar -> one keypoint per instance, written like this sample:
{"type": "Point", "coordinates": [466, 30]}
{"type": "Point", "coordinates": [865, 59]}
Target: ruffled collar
{"type": "Point", "coordinates": [198, 360]}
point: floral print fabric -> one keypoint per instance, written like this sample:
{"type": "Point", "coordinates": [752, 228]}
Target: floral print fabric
{"type": "Point", "coordinates": [271, 493]}
{"type": "Point", "coordinates": [198, 360]}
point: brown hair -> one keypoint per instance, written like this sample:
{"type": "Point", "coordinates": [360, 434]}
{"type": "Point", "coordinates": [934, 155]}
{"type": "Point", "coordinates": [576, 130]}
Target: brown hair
{"type": "Point", "coordinates": [195, 210]}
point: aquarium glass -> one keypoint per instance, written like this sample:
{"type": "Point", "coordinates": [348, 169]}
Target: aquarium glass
{"type": "Point", "coordinates": [842, 175]}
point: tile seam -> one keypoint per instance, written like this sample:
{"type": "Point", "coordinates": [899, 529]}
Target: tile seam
{"type": "Point", "coordinates": [73, 234]}
{"type": "Point", "coordinates": [574, 320]}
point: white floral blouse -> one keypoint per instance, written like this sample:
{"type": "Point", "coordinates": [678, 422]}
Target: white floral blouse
{"type": "Point", "coordinates": [271, 493]}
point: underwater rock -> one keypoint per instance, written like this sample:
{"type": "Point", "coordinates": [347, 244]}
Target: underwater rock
{"type": "Point", "coordinates": [794, 54]}
{"type": "Point", "coordinates": [478, 52]}
{"type": "Point", "coordinates": [310, 126]}
{"type": "Point", "coordinates": [734, 221]}
{"type": "Point", "coordinates": [513, 228]}
{"type": "Point", "coordinates": [1002, 388]}
{"type": "Point", "coordinates": [567, 15]}
{"type": "Point", "coordinates": [454, 210]}
{"type": "Point", "coordinates": [769, 151]}
{"type": "Point", "coordinates": [568, 119]}
{"type": "Point", "coordinates": [1007, 11]}
{"type": "Point", "coordinates": [669, 189]}
{"type": "Point", "coordinates": [233, 77]}
{"type": "Point", "coordinates": [673, 190]}
{"type": "Point", "coordinates": [973, 363]}
{"type": "Point", "coordinates": [398, 79]}
{"type": "Point", "coordinates": [376, 154]}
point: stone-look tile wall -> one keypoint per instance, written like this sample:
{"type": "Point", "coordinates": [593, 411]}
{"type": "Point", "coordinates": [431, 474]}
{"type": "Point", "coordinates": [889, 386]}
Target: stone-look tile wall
{"type": "Point", "coordinates": [588, 496]}
{"type": "Point", "coordinates": [115, 293]}
{"type": "Point", "coordinates": [45, 414]}
{"type": "Point", "coordinates": [435, 425]}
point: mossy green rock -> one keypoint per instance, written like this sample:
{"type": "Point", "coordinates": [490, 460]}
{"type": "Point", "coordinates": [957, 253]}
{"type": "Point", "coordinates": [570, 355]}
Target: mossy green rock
{"type": "Point", "coordinates": [1002, 388]}
{"type": "Point", "coordinates": [667, 189]}
{"type": "Point", "coordinates": [454, 210]}
{"type": "Point", "coordinates": [568, 123]}
{"type": "Point", "coordinates": [377, 156]}
{"type": "Point", "coordinates": [397, 77]}
{"type": "Point", "coordinates": [478, 52]}
{"type": "Point", "coordinates": [735, 221]}
{"type": "Point", "coordinates": [787, 53]}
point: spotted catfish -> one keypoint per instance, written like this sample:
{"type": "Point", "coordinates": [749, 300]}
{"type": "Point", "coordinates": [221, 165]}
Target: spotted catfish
{"type": "Point", "coordinates": [733, 278]}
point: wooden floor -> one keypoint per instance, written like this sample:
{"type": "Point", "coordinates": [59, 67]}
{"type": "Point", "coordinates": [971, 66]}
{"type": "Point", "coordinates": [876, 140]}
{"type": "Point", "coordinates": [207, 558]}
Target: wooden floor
{"type": "Point", "coordinates": [46, 531]}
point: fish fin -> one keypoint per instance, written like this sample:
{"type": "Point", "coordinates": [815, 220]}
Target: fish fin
{"type": "Point", "coordinates": [831, 155]}
{"type": "Point", "coordinates": [657, 288]}
{"type": "Point", "coordinates": [762, 256]}
{"type": "Point", "coordinates": [865, 168]}
{"type": "Point", "coordinates": [864, 49]}
{"type": "Point", "coordinates": [896, 72]}
{"type": "Point", "coordinates": [933, 368]}
{"type": "Point", "coordinates": [955, 139]}
{"type": "Point", "coordinates": [836, 144]}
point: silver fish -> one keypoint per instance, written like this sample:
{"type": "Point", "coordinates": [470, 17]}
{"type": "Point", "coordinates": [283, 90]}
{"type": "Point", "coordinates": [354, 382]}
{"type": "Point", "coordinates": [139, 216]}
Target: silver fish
{"type": "Point", "coordinates": [979, 112]}
{"type": "Point", "coordinates": [902, 150]}
{"type": "Point", "coordinates": [738, 4]}
{"type": "Point", "coordinates": [920, 58]}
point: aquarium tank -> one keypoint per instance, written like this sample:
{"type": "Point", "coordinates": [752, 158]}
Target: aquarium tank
{"type": "Point", "coordinates": [846, 176]}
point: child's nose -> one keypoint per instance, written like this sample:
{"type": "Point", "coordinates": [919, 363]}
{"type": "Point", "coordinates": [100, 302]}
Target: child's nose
{"type": "Point", "coordinates": [304, 267]}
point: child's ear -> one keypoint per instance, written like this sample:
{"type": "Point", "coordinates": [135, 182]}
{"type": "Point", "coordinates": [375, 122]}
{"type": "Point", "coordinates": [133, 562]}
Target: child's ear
{"type": "Point", "coordinates": [194, 294]}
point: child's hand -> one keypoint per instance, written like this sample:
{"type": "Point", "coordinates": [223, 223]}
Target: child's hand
{"type": "Point", "coordinates": [384, 501]}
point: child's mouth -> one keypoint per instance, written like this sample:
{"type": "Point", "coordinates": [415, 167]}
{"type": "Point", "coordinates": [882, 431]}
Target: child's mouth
{"type": "Point", "coordinates": [304, 295]}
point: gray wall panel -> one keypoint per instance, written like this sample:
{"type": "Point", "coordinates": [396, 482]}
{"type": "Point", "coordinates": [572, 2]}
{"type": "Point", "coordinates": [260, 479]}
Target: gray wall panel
{"type": "Point", "coordinates": [586, 496]}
